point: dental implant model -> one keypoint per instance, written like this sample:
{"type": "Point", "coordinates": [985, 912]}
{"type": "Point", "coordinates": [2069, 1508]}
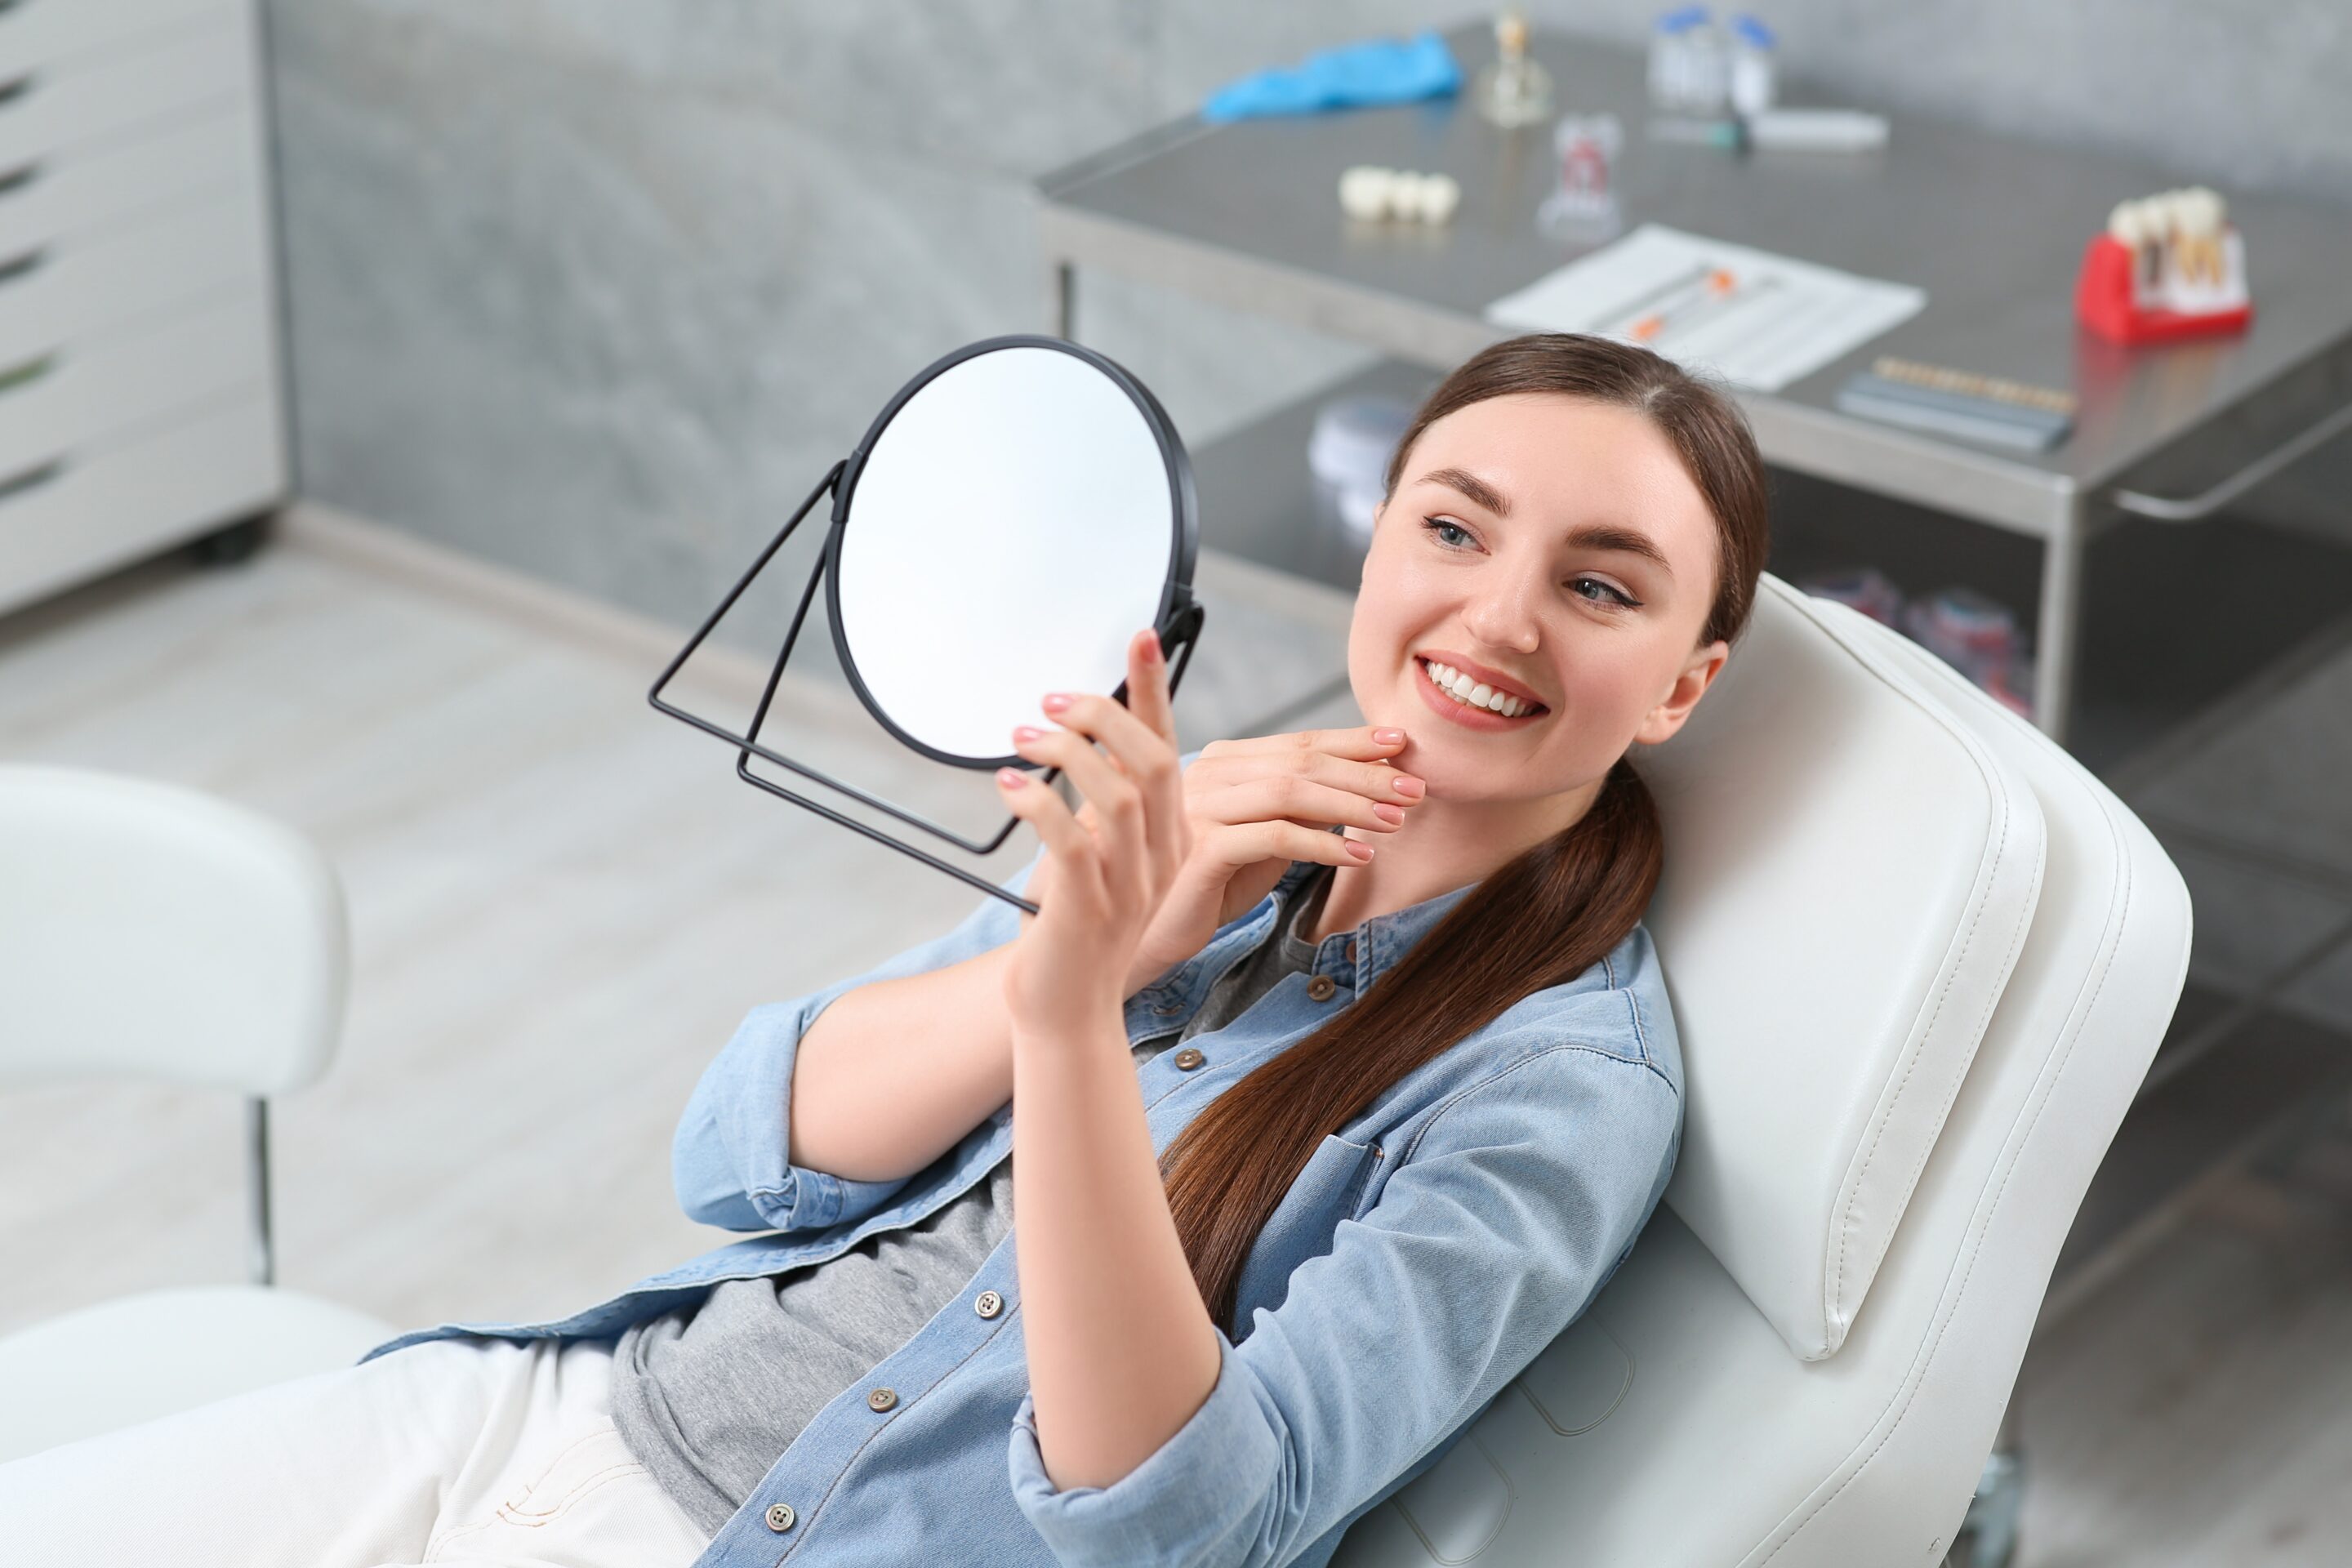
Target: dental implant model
{"type": "Point", "coordinates": [2168, 266]}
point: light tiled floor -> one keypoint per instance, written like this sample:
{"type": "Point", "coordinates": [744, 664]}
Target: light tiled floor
{"type": "Point", "coordinates": [562, 904]}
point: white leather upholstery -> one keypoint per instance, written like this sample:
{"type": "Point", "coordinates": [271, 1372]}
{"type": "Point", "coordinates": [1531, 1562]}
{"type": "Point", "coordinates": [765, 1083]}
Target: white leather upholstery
{"type": "Point", "coordinates": [1674, 1425]}
{"type": "Point", "coordinates": [138, 1357]}
{"type": "Point", "coordinates": [153, 930]}
{"type": "Point", "coordinates": [1849, 873]}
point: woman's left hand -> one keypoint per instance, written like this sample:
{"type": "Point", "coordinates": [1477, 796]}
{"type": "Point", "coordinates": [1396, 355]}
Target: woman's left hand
{"type": "Point", "coordinates": [1108, 867]}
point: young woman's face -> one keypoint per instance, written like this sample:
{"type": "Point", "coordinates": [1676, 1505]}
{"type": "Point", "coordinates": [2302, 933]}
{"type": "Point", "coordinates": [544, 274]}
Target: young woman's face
{"type": "Point", "coordinates": [1557, 552]}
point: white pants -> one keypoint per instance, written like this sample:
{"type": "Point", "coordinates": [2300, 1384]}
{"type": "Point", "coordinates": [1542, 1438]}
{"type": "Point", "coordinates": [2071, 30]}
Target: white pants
{"type": "Point", "coordinates": [461, 1451]}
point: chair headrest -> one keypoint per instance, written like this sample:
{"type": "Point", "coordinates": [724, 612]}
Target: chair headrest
{"type": "Point", "coordinates": [1849, 877]}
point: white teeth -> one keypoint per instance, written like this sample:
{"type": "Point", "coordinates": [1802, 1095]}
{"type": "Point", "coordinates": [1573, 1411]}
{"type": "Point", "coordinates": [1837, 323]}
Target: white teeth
{"type": "Point", "coordinates": [1474, 693]}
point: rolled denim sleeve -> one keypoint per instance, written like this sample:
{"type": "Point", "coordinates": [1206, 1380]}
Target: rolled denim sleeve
{"type": "Point", "coordinates": [1495, 1231]}
{"type": "Point", "coordinates": [729, 1159]}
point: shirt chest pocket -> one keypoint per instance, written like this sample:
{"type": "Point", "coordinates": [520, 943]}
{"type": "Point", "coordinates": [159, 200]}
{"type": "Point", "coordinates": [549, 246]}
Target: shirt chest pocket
{"type": "Point", "coordinates": [1326, 1191]}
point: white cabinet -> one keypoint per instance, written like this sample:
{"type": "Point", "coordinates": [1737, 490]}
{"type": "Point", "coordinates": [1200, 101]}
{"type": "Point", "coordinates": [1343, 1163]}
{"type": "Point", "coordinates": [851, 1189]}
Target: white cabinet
{"type": "Point", "coordinates": [141, 399]}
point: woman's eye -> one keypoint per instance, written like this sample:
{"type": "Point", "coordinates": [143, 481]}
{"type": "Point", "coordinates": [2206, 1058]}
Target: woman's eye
{"type": "Point", "coordinates": [1611, 592]}
{"type": "Point", "coordinates": [1448, 532]}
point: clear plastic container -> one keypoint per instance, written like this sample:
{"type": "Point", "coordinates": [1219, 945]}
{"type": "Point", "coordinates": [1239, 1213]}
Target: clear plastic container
{"type": "Point", "coordinates": [1669, 55]}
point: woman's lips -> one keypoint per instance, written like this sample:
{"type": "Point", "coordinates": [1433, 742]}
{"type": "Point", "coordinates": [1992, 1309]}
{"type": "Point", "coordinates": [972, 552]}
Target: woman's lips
{"type": "Point", "coordinates": [1462, 713]}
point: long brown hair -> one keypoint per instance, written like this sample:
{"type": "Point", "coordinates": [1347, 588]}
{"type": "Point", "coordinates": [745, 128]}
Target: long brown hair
{"type": "Point", "coordinates": [1539, 920]}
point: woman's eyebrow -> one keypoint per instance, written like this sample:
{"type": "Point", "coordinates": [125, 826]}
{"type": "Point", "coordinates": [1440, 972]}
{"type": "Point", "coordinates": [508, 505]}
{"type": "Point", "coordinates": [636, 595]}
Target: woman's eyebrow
{"type": "Point", "coordinates": [1471, 485]}
{"type": "Point", "coordinates": [1629, 541]}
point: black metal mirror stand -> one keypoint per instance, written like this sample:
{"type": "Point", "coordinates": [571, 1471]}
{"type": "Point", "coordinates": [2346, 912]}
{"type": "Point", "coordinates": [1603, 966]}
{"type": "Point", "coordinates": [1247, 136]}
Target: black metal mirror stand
{"type": "Point", "coordinates": [1177, 638]}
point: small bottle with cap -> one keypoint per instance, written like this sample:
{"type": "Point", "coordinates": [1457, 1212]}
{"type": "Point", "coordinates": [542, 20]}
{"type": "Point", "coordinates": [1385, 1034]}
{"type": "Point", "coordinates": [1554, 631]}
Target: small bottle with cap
{"type": "Point", "coordinates": [1753, 74]}
{"type": "Point", "coordinates": [1516, 90]}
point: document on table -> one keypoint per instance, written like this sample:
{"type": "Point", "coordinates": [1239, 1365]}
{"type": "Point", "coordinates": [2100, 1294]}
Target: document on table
{"type": "Point", "coordinates": [1755, 319]}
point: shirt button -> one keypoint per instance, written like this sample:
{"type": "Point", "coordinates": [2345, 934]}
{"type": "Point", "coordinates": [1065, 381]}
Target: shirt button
{"type": "Point", "coordinates": [780, 1518]}
{"type": "Point", "coordinates": [1351, 950]}
{"type": "Point", "coordinates": [1322, 987]}
{"type": "Point", "coordinates": [1188, 1059]}
{"type": "Point", "coordinates": [988, 1303]}
{"type": "Point", "coordinates": [882, 1399]}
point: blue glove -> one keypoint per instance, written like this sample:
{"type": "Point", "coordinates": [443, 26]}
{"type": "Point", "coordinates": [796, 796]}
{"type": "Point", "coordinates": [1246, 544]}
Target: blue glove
{"type": "Point", "coordinates": [1382, 70]}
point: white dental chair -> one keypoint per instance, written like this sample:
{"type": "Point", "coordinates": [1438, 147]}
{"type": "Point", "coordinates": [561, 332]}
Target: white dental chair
{"type": "Point", "coordinates": [1920, 960]}
{"type": "Point", "coordinates": [149, 930]}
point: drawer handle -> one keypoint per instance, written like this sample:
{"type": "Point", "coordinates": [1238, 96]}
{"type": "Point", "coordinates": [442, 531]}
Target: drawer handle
{"type": "Point", "coordinates": [19, 483]}
{"type": "Point", "coordinates": [26, 372]}
{"type": "Point", "coordinates": [2190, 508]}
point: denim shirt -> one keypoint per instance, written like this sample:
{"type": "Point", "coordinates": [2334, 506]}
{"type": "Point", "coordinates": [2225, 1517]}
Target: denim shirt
{"type": "Point", "coordinates": [1427, 1252]}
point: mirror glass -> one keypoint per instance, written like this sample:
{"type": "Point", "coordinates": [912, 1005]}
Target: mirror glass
{"type": "Point", "coordinates": [1019, 512]}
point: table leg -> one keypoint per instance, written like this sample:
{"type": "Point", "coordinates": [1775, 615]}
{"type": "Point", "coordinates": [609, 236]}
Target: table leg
{"type": "Point", "coordinates": [2058, 626]}
{"type": "Point", "coordinates": [1062, 302]}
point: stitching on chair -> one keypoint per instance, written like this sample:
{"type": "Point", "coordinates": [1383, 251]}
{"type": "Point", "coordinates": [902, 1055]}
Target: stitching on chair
{"type": "Point", "coordinates": [1919, 1044]}
{"type": "Point", "coordinates": [1992, 1005]}
{"type": "Point", "coordinates": [1977, 753]}
{"type": "Point", "coordinates": [2065, 1058]}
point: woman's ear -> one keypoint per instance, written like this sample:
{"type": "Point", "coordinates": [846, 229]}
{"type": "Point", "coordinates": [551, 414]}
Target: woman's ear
{"type": "Point", "coordinates": [1690, 684]}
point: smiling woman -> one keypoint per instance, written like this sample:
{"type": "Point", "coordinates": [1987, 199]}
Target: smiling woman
{"type": "Point", "coordinates": [1572, 526]}
{"type": "Point", "coordinates": [1347, 1077]}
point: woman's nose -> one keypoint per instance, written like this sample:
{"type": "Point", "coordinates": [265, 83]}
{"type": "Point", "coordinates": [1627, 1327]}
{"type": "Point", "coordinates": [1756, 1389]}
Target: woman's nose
{"type": "Point", "coordinates": [1501, 615]}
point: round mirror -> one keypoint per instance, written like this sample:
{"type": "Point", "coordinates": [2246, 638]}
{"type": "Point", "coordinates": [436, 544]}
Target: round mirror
{"type": "Point", "coordinates": [1018, 513]}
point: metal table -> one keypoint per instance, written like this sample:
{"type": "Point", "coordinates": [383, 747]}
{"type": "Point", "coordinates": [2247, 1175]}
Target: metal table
{"type": "Point", "coordinates": [1992, 227]}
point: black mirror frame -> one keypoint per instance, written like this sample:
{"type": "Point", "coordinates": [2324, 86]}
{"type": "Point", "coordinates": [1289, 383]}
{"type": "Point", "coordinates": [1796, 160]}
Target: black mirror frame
{"type": "Point", "coordinates": [1179, 624]}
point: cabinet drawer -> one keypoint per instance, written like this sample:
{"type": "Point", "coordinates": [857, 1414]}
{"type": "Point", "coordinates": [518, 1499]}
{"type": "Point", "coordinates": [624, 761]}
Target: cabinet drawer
{"type": "Point", "coordinates": [77, 403]}
{"type": "Point", "coordinates": [159, 80]}
{"type": "Point", "coordinates": [45, 35]}
{"type": "Point", "coordinates": [129, 272]}
{"type": "Point", "coordinates": [79, 194]}
{"type": "Point", "coordinates": [136, 499]}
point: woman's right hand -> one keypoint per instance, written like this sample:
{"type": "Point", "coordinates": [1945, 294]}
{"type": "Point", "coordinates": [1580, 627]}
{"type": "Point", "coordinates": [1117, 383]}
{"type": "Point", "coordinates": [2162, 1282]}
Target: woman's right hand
{"type": "Point", "coordinates": [1255, 806]}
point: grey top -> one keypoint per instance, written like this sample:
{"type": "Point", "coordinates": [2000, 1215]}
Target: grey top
{"type": "Point", "coordinates": [707, 1397]}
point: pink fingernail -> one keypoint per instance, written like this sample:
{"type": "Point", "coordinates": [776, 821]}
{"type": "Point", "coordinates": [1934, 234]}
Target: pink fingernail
{"type": "Point", "coordinates": [1151, 650]}
{"type": "Point", "coordinates": [1387, 737]}
{"type": "Point", "coordinates": [1011, 778]}
{"type": "Point", "coordinates": [1360, 851]}
{"type": "Point", "coordinates": [1389, 812]}
{"type": "Point", "coordinates": [1024, 733]}
{"type": "Point", "coordinates": [1408, 786]}
{"type": "Point", "coordinates": [1055, 701]}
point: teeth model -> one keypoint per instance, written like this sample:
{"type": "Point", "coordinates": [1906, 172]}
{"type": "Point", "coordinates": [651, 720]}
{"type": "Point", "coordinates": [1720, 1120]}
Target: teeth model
{"type": "Point", "coordinates": [2176, 232]}
{"type": "Point", "coordinates": [1371, 194]}
{"type": "Point", "coordinates": [1463, 689]}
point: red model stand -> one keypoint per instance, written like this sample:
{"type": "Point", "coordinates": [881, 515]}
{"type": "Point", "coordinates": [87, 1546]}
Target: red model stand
{"type": "Point", "coordinates": [2103, 301]}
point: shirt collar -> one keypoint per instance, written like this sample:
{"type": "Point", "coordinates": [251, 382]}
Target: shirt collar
{"type": "Point", "coordinates": [1379, 941]}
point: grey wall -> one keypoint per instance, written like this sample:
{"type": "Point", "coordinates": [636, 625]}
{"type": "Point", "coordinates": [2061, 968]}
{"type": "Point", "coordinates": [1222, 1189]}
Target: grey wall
{"type": "Point", "coordinates": [598, 288]}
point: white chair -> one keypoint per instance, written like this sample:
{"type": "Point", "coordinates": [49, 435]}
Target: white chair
{"type": "Point", "coordinates": [148, 930]}
{"type": "Point", "coordinates": [1920, 958]}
